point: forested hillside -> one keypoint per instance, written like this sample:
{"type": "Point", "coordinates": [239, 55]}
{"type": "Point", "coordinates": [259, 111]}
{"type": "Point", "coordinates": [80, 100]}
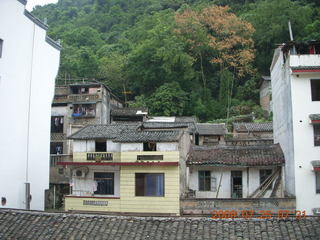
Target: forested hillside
{"type": "Point", "coordinates": [178, 57]}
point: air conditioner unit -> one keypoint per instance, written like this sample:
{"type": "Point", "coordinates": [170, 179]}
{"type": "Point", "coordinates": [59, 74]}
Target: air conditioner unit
{"type": "Point", "coordinates": [78, 173]}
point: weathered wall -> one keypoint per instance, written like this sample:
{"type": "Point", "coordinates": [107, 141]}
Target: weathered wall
{"type": "Point", "coordinates": [282, 116]}
{"type": "Point", "coordinates": [127, 147]}
{"type": "Point", "coordinates": [206, 206]}
{"type": "Point", "coordinates": [250, 181]}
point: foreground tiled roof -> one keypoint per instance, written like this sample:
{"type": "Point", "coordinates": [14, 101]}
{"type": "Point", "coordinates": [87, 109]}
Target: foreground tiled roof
{"type": "Point", "coordinates": [236, 155]}
{"type": "Point", "coordinates": [211, 129]}
{"type": "Point", "coordinates": [34, 225]}
{"type": "Point", "coordinates": [129, 111]}
{"type": "Point", "coordinates": [253, 127]}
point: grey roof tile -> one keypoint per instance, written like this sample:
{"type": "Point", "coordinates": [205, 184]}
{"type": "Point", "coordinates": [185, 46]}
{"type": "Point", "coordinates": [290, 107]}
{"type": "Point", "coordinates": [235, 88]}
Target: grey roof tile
{"type": "Point", "coordinates": [211, 128]}
{"type": "Point", "coordinates": [16, 224]}
{"type": "Point", "coordinates": [263, 155]}
{"type": "Point", "coordinates": [253, 127]}
{"type": "Point", "coordinates": [149, 136]}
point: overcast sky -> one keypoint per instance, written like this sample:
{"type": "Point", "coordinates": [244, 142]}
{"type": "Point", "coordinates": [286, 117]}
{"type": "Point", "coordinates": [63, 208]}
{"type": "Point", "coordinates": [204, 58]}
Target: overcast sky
{"type": "Point", "coordinates": [32, 3]}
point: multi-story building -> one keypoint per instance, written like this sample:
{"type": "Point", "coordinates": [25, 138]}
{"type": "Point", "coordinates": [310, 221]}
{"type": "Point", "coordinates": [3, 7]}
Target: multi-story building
{"type": "Point", "coordinates": [128, 168]}
{"type": "Point", "coordinates": [29, 62]}
{"type": "Point", "coordinates": [74, 106]}
{"type": "Point", "coordinates": [295, 77]}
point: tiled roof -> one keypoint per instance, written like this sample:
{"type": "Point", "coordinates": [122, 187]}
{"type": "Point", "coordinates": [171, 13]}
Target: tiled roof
{"type": "Point", "coordinates": [129, 111]}
{"type": "Point", "coordinates": [186, 119]}
{"type": "Point", "coordinates": [167, 125]}
{"type": "Point", "coordinates": [236, 155]}
{"type": "Point", "coordinates": [119, 132]}
{"type": "Point", "coordinates": [314, 116]}
{"type": "Point", "coordinates": [211, 129]}
{"type": "Point", "coordinates": [36, 225]}
{"type": "Point", "coordinates": [253, 127]}
{"type": "Point", "coordinates": [150, 136]}
{"type": "Point", "coordinates": [109, 131]}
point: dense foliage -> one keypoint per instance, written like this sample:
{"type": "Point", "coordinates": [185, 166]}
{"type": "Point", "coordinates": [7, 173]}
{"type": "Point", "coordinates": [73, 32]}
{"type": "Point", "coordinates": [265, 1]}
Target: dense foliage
{"type": "Point", "coordinates": [178, 57]}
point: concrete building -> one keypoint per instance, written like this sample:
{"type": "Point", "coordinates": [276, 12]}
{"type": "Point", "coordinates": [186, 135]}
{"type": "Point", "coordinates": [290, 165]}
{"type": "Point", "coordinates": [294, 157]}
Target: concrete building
{"type": "Point", "coordinates": [128, 168]}
{"type": "Point", "coordinates": [75, 105]}
{"type": "Point", "coordinates": [295, 74]}
{"type": "Point", "coordinates": [29, 62]}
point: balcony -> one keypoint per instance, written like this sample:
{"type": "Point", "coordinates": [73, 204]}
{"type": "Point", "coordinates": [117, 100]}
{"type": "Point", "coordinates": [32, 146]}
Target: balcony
{"type": "Point", "coordinates": [83, 97]}
{"type": "Point", "coordinates": [126, 156]}
{"type": "Point", "coordinates": [309, 60]}
{"type": "Point", "coordinates": [57, 158]}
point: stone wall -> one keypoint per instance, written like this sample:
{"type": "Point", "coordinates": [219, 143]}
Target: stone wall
{"type": "Point", "coordinates": [206, 206]}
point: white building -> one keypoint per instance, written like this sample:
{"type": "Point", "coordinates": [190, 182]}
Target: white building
{"type": "Point", "coordinates": [295, 77]}
{"type": "Point", "coordinates": [29, 62]}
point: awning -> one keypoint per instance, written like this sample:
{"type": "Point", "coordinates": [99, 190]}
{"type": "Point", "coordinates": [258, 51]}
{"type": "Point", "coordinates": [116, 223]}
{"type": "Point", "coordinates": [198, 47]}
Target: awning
{"type": "Point", "coordinates": [315, 118]}
{"type": "Point", "coordinates": [316, 165]}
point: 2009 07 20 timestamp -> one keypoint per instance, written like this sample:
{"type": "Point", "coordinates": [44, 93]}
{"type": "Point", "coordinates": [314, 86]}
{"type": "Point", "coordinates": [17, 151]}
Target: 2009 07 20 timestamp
{"type": "Point", "coordinates": [261, 214]}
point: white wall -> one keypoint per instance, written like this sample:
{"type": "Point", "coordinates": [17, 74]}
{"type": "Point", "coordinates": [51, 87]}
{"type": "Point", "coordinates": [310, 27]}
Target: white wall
{"type": "Point", "coordinates": [83, 145]}
{"type": "Point", "coordinates": [28, 67]}
{"type": "Point", "coordinates": [282, 116]}
{"type": "Point", "coordinates": [131, 147]}
{"type": "Point", "coordinates": [250, 183]}
{"type": "Point", "coordinates": [170, 146]}
{"type": "Point", "coordinates": [304, 149]}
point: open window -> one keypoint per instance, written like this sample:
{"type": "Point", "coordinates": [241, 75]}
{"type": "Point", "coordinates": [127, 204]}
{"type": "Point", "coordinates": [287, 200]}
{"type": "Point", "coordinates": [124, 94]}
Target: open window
{"type": "Point", "coordinates": [149, 146]}
{"type": "Point", "coordinates": [316, 134]}
{"type": "Point", "coordinates": [264, 174]}
{"type": "Point", "coordinates": [57, 124]}
{"type": "Point", "coordinates": [101, 146]}
{"type": "Point", "coordinates": [105, 183]}
{"type": "Point", "coordinates": [315, 89]}
{"type": "Point", "coordinates": [84, 110]}
{"type": "Point", "coordinates": [56, 148]}
{"type": "Point", "coordinates": [149, 184]}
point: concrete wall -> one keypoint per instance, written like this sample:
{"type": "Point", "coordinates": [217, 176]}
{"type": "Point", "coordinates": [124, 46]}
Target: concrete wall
{"type": "Point", "coordinates": [282, 116]}
{"type": "Point", "coordinates": [129, 147]}
{"type": "Point", "coordinates": [206, 206]}
{"type": "Point", "coordinates": [28, 67]}
{"type": "Point", "coordinates": [250, 181]}
{"type": "Point", "coordinates": [304, 149]}
{"type": "Point", "coordinates": [170, 146]}
{"type": "Point", "coordinates": [83, 146]}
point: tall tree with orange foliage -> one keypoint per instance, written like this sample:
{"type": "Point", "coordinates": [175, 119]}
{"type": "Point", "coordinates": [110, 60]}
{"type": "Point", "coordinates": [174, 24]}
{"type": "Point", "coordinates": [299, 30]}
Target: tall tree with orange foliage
{"type": "Point", "coordinates": [220, 36]}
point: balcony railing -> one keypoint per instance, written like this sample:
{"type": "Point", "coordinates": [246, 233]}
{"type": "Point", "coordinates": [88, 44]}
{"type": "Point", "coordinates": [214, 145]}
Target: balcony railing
{"type": "Point", "coordinates": [56, 158]}
{"type": "Point", "coordinates": [99, 156]}
{"type": "Point", "coordinates": [83, 97]}
{"type": "Point", "coordinates": [149, 157]}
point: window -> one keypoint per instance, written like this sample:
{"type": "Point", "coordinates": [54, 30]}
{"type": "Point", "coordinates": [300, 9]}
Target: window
{"type": "Point", "coordinates": [57, 124]}
{"type": "Point", "coordinates": [101, 146]}
{"type": "Point", "coordinates": [204, 180]}
{"type": "Point", "coordinates": [316, 134]}
{"type": "Point", "coordinates": [315, 90]}
{"type": "Point", "coordinates": [317, 182]}
{"type": "Point", "coordinates": [84, 110]}
{"type": "Point", "coordinates": [264, 174]}
{"type": "Point", "coordinates": [150, 184]}
{"type": "Point", "coordinates": [149, 146]}
{"type": "Point", "coordinates": [1, 46]}
{"type": "Point", "coordinates": [56, 148]}
{"type": "Point", "coordinates": [105, 183]}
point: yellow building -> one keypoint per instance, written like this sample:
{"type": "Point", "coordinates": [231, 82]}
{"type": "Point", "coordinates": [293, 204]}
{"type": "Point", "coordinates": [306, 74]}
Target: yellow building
{"type": "Point", "coordinates": [128, 168]}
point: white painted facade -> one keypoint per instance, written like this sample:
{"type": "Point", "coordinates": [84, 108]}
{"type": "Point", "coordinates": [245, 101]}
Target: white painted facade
{"type": "Point", "coordinates": [28, 67]}
{"type": "Point", "coordinates": [222, 176]}
{"type": "Point", "coordinates": [291, 93]}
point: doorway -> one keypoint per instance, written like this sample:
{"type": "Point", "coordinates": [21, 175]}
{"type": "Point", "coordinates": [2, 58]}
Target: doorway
{"type": "Point", "coordinates": [236, 184]}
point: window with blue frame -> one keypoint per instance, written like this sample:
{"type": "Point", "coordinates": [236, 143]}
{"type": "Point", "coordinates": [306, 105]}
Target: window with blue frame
{"type": "Point", "coordinates": [150, 184]}
{"type": "Point", "coordinates": [105, 183]}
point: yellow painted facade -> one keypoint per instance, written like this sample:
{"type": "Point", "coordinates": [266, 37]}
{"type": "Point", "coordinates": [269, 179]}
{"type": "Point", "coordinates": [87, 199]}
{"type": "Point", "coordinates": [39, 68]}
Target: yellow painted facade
{"type": "Point", "coordinates": [129, 156]}
{"type": "Point", "coordinates": [128, 202]}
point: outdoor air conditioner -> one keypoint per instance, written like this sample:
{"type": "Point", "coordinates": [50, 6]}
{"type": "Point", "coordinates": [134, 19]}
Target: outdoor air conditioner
{"type": "Point", "coordinates": [79, 173]}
